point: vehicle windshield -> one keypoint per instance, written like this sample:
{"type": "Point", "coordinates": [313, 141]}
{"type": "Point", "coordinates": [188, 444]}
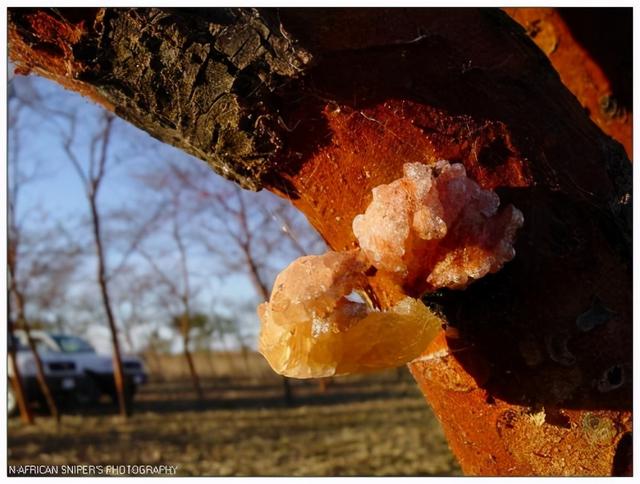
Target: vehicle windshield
{"type": "Point", "coordinates": [72, 344]}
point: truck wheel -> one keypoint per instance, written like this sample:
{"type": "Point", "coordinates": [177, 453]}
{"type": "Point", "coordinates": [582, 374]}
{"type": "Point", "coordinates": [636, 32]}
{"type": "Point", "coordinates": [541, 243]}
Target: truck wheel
{"type": "Point", "coordinates": [12, 401]}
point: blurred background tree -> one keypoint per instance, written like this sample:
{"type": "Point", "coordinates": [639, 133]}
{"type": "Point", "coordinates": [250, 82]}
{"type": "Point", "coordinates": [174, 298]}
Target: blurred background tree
{"type": "Point", "coordinates": [184, 257]}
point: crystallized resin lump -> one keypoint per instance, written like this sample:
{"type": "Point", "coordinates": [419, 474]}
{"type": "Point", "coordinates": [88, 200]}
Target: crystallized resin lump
{"type": "Point", "coordinates": [313, 326]}
{"type": "Point", "coordinates": [435, 227]}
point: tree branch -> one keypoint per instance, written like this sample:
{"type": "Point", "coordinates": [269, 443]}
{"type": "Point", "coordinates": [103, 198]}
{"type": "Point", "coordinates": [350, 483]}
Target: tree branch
{"type": "Point", "coordinates": [321, 106]}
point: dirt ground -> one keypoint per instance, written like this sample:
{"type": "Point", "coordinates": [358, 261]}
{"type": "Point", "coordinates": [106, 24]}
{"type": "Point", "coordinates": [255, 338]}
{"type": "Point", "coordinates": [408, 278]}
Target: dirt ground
{"type": "Point", "coordinates": [377, 425]}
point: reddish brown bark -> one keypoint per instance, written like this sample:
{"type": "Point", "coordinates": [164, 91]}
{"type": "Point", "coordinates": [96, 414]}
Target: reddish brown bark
{"type": "Point", "coordinates": [517, 322]}
{"type": "Point", "coordinates": [48, 50]}
{"type": "Point", "coordinates": [534, 376]}
{"type": "Point", "coordinates": [529, 386]}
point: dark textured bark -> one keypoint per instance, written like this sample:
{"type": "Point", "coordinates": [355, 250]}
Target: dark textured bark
{"type": "Point", "coordinates": [534, 374]}
{"type": "Point", "coordinates": [200, 79]}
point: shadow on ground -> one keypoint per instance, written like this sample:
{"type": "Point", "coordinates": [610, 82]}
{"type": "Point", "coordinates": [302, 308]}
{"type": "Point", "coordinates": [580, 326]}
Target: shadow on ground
{"type": "Point", "coordinates": [376, 425]}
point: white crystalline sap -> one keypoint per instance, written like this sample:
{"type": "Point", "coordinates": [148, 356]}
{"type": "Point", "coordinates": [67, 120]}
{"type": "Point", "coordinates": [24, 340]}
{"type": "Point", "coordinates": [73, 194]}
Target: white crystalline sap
{"type": "Point", "coordinates": [390, 210]}
{"type": "Point", "coordinates": [437, 221]}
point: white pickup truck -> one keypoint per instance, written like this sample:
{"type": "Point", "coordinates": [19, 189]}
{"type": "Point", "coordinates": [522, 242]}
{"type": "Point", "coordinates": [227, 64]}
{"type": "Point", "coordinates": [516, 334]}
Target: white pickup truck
{"type": "Point", "coordinates": [73, 369]}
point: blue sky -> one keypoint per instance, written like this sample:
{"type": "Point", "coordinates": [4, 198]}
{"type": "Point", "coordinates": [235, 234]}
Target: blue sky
{"type": "Point", "coordinates": [58, 191]}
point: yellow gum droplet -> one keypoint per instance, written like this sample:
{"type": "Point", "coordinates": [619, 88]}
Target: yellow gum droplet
{"type": "Point", "coordinates": [301, 342]}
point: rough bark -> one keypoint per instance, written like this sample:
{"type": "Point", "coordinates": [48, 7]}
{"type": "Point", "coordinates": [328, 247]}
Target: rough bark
{"type": "Point", "coordinates": [533, 375]}
{"type": "Point", "coordinates": [200, 79]}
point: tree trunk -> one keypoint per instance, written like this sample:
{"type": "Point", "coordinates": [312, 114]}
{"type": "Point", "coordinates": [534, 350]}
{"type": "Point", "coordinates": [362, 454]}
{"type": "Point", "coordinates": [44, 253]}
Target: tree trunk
{"type": "Point", "coordinates": [23, 324]}
{"type": "Point", "coordinates": [195, 379]}
{"type": "Point", "coordinates": [118, 372]}
{"type": "Point", "coordinates": [18, 298]}
{"type": "Point", "coordinates": [591, 50]}
{"type": "Point", "coordinates": [533, 375]}
{"type": "Point", "coordinates": [40, 376]}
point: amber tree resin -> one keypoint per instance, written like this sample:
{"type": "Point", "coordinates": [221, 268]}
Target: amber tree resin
{"type": "Point", "coordinates": [315, 325]}
{"type": "Point", "coordinates": [434, 227]}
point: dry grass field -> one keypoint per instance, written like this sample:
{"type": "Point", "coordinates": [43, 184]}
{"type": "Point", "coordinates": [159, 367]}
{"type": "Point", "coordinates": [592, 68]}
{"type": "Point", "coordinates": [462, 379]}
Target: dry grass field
{"type": "Point", "coordinates": [374, 425]}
